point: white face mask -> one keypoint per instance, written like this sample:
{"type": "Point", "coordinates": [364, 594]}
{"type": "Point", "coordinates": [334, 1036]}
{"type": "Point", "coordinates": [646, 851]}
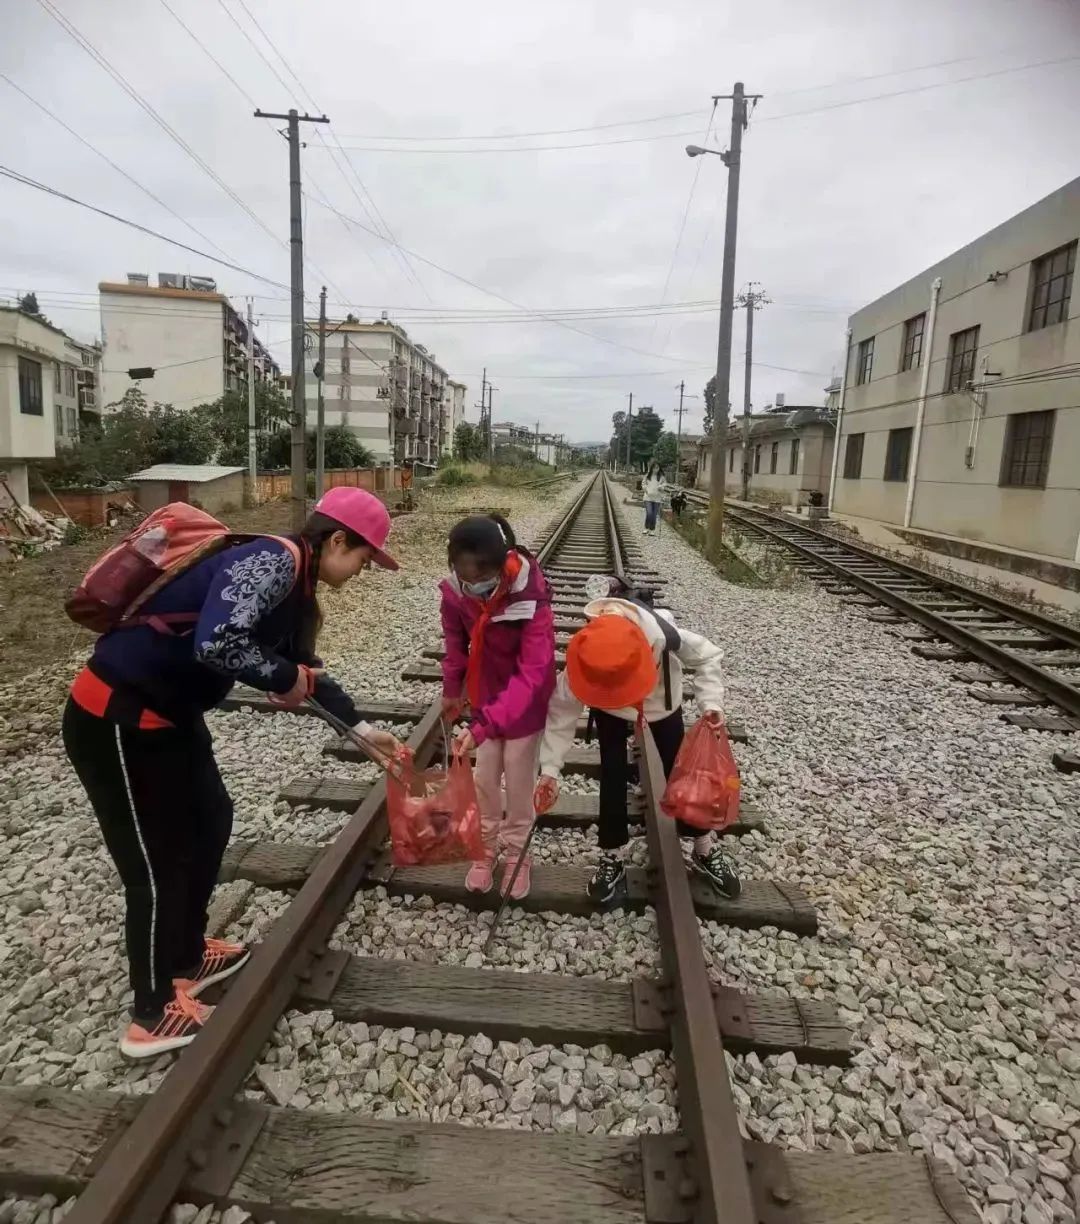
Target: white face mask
{"type": "Point", "coordinates": [480, 590]}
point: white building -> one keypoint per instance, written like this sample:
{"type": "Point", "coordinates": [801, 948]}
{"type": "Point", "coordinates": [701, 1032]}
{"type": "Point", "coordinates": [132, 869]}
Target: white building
{"type": "Point", "coordinates": [456, 414]}
{"type": "Point", "coordinates": [75, 387]}
{"type": "Point", "coordinates": [383, 387]}
{"type": "Point", "coordinates": [31, 353]}
{"type": "Point", "coordinates": [182, 329]}
{"type": "Point", "coordinates": [960, 421]}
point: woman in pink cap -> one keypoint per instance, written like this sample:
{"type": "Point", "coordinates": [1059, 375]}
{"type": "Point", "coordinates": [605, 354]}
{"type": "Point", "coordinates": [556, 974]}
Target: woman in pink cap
{"type": "Point", "coordinates": [134, 729]}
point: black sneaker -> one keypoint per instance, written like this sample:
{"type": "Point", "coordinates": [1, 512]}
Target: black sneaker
{"type": "Point", "coordinates": [606, 879]}
{"type": "Point", "coordinates": [717, 868]}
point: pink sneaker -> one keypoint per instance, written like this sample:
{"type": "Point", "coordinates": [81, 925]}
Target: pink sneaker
{"type": "Point", "coordinates": [479, 878]}
{"type": "Point", "coordinates": [523, 881]}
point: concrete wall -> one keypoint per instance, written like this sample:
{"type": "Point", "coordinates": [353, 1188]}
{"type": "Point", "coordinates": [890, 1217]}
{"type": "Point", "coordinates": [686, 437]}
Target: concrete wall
{"type": "Point", "coordinates": [160, 330]}
{"type": "Point", "coordinates": [951, 497]}
{"type": "Point", "coordinates": [23, 435]}
{"type": "Point", "coordinates": [214, 496]}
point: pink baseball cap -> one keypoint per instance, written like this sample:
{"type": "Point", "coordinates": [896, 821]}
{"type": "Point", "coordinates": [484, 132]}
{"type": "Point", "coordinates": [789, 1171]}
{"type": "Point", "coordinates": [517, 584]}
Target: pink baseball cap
{"type": "Point", "coordinates": [363, 513]}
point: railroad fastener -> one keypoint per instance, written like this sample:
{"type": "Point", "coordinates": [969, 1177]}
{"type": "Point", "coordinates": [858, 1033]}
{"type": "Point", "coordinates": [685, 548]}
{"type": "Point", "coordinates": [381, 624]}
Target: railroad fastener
{"type": "Point", "coordinates": [688, 1189]}
{"type": "Point", "coordinates": [198, 1158]}
{"type": "Point", "coordinates": [224, 1116]}
{"type": "Point", "coordinates": [781, 1194]}
{"type": "Point", "coordinates": [681, 1146]}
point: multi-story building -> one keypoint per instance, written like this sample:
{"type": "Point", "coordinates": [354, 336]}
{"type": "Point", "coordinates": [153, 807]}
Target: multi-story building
{"type": "Point", "coordinates": [31, 353]}
{"type": "Point", "coordinates": [455, 393]}
{"type": "Point", "coordinates": [960, 418]}
{"type": "Point", "coordinates": [182, 329]}
{"type": "Point", "coordinates": [387, 389]}
{"type": "Point", "coordinates": [75, 389]}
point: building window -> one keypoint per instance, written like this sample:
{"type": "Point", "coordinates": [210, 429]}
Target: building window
{"type": "Point", "coordinates": [1026, 456]}
{"type": "Point", "coordinates": [73, 423]}
{"type": "Point", "coordinates": [960, 370]}
{"type": "Point", "coordinates": [911, 349]}
{"type": "Point", "coordinates": [30, 401]}
{"type": "Point", "coordinates": [69, 379]}
{"type": "Point", "coordinates": [853, 457]}
{"type": "Point", "coordinates": [731, 459]}
{"type": "Point", "coordinates": [898, 454]}
{"type": "Point", "coordinates": [864, 361]}
{"type": "Point", "coordinates": [757, 460]}
{"type": "Point", "coordinates": [1051, 287]}
{"type": "Point", "coordinates": [793, 466]}
{"type": "Point", "coordinates": [59, 421]}
{"type": "Point", "coordinates": [57, 384]}
{"type": "Point", "coordinates": [774, 456]}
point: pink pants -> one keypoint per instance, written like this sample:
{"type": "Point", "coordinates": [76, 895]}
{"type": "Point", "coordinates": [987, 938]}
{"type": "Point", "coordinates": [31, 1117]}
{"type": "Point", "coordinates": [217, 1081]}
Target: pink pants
{"type": "Point", "coordinates": [513, 763]}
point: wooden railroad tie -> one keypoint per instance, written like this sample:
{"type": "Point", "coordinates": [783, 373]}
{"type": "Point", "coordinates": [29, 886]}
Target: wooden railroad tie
{"type": "Point", "coordinates": [1067, 762]}
{"type": "Point", "coordinates": [308, 1164]}
{"type": "Point", "coordinates": [571, 811]}
{"type": "Point", "coordinates": [555, 886]}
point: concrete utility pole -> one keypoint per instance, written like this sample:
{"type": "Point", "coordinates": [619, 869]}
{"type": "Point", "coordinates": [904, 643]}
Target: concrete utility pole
{"type": "Point", "coordinates": [629, 424]}
{"type": "Point", "coordinates": [320, 411]}
{"type": "Point", "coordinates": [490, 426]}
{"type": "Point", "coordinates": [253, 429]}
{"type": "Point", "coordinates": [298, 456]}
{"type": "Point", "coordinates": [732, 159]}
{"type": "Point", "coordinates": [753, 299]}
{"type": "Point", "coordinates": [678, 436]}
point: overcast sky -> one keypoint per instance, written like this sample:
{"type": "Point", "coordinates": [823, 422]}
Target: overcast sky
{"type": "Point", "coordinates": [837, 206]}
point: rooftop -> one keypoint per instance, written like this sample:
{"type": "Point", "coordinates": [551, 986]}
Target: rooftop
{"type": "Point", "coordinates": [188, 295]}
{"type": "Point", "coordinates": [191, 473]}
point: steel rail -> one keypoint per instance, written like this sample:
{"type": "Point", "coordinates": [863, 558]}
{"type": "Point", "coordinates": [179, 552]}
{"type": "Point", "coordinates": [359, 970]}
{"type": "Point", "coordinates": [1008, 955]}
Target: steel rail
{"type": "Point", "coordinates": [717, 1188]}
{"type": "Point", "coordinates": [1068, 634]}
{"type": "Point", "coordinates": [1030, 675]}
{"type": "Point", "coordinates": [181, 1124]}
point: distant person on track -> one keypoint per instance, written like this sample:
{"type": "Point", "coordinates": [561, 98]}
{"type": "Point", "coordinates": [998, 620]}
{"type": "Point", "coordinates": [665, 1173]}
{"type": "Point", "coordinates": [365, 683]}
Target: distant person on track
{"type": "Point", "coordinates": [499, 660]}
{"type": "Point", "coordinates": [625, 665]}
{"type": "Point", "coordinates": [134, 730]}
{"type": "Point", "coordinates": [652, 493]}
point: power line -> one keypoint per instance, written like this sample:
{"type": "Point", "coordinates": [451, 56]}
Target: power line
{"type": "Point", "coordinates": [209, 54]}
{"type": "Point", "coordinates": [549, 148]}
{"type": "Point", "coordinates": [104, 212]}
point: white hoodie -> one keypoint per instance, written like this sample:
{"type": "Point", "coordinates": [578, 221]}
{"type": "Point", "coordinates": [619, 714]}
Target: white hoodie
{"type": "Point", "coordinates": [696, 652]}
{"type": "Point", "coordinates": [652, 489]}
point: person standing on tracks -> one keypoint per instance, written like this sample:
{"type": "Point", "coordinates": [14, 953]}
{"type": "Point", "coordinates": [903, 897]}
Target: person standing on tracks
{"type": "Point", "coordinates": [626, 665]}
{"type": "Point", "coordinates": [652, 493]}
{"type": "Point", "coordinates": [499, 659]}
{"type": "Point", "coordinates": [135, 732]}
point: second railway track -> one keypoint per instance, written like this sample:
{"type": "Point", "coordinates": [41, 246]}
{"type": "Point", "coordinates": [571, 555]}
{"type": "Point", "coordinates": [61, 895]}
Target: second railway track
{"type": "Point", "coordinates": [198, 1140]}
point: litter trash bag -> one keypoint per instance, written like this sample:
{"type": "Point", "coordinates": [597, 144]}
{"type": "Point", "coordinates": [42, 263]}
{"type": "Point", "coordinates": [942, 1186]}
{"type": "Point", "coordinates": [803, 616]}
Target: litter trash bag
{"type": "Point", "coordinates": [434, 813]}
{"type": "Point", "coordinates": [703, 789]}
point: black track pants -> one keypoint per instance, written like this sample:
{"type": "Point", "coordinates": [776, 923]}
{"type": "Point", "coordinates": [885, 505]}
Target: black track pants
{"type": "Point", "coordinates": [166, 819]}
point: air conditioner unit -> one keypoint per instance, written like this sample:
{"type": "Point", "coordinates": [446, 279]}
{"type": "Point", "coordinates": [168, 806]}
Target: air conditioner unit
{"type": "Point", "coordinates": [171, 280]}
{"type": "Point", "coordinates": [204, 284]}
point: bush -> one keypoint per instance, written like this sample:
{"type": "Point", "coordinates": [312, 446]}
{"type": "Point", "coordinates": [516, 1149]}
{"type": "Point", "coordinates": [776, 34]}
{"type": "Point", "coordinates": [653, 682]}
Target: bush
{"type": "Point", "coordinates": [454, 477]}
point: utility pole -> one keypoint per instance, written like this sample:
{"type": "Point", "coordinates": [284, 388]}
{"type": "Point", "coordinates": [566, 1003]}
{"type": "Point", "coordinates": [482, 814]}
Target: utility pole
{"type": "Point", "coordinates": [536, 447]}
{"type": "Point", "coordinates": [298, 456]}
{"type": "Point", "coordinates": [629, 425]}
{"type": "Point", "coordinates": [253, 433]}
{"type": "Point", "coordinates": [753, 300]}
{"type": "Point", "coordinates": [678, 436]}
{"type": "Point", "coordinates": [732, 159]}
{"type": "Point", "coordinates": [483, 409]}
{"type": "Point", "coordinates": [490, 425]}
{"type": "Point", "coordinates": [320, 412]}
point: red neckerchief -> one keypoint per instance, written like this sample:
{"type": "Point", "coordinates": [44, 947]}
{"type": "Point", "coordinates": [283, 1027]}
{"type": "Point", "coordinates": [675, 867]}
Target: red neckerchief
{"type": "Point", "coordinates": [488, 607]}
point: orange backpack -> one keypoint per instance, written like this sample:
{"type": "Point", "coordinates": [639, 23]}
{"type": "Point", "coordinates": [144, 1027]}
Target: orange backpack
{"type": "Point", "coordinates": [162, 546]}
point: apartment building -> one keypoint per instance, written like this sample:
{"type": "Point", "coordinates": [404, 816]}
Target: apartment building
{"type": "Point", "coordinates": [75, 390]}
{"type": "Point", "coordinates": [185, 331]}
{"type": "Point", "coordinates": [960, 410]}
{"type": "Point", "coordinates": [31, 353]}
{"type": "Point", "coordinates": [387, 389]}
{"type": "Point", "coordinates": [455, 393]}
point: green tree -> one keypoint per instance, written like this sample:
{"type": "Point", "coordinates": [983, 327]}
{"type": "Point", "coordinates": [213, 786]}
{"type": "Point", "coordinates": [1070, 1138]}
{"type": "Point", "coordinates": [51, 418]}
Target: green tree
{"type": "Point", "coordinates": [645, 430]}
{"type": "Point", "coordinates": [468, 442]}
{"type": "Point", "coordinates": [342, 449]}
{"type": "Point", "coordinates": [180, 437]}
{"type": "Point", "coordinates": [227, 417]}
{"type": "Point", "coordinates": [29, 303]}
{"type": "Point", "coordinates": [666, 453]}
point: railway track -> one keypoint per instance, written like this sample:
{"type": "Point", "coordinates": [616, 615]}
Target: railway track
{"type": "Point", "coordinates": [196, 1139]}
{"type": "Point", "coordinates": [994, 642]}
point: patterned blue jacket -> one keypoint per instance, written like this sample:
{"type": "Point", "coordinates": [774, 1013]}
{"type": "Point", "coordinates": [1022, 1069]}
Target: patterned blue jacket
{"type": "Point", "coordinates": [249, 603]}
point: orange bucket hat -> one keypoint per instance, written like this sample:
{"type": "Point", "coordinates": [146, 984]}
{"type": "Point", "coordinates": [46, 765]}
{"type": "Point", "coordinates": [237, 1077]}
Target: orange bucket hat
{"type": "Point", "coordinates": [610, 665]}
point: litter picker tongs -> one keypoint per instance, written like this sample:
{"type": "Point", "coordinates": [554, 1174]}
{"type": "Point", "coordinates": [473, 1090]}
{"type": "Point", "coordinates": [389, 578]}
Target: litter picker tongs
{"type": "Point", "coordinates": [366, 746]}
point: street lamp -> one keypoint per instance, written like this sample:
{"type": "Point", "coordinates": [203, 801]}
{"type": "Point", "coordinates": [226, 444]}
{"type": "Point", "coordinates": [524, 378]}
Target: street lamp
{"type": "Point", "coordinates": [697, 151]}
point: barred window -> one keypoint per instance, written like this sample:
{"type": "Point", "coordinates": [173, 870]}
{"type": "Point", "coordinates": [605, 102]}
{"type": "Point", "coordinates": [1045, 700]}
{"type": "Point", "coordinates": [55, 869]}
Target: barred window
{"type": "Point", "coordinates": [793, 466]}
{"type": "Point", "coordinates": [1025, 457]}
{"type": "Point", "coordinates": [774, 455]}
{"type": "Point", "coordinates": [911, 349]}
{"type": "Point", "coordinates": [898, 454]}
{"type": "Point", "coordinates": [864, 361]}
{"type": "Point", "coordinates": [960, 370]}
{"type": "Point", "coordinates": [30, 400]}
{"type": "Point", "coordinates": [853, 456]}
{"type": "Point", "coordinates": [1052, 287]}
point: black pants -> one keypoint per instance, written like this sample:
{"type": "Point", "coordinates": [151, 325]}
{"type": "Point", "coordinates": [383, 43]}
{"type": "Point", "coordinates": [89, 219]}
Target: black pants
{"type": "Point", "coordinates": [612, 734]}
{"type": "Point", "coordinates": [166, 818]}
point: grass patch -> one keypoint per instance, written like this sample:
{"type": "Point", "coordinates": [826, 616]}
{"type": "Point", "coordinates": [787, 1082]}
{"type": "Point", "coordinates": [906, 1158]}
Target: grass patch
{"type": "Point", "coordinates": [732, 567]}
{"type": "Point", "coordinates": [454, 478]}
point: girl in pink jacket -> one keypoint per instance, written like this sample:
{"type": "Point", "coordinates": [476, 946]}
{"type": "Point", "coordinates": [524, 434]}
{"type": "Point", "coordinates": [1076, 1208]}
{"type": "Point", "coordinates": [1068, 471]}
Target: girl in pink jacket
{"type": "Point", "coordinates": [499, 637]}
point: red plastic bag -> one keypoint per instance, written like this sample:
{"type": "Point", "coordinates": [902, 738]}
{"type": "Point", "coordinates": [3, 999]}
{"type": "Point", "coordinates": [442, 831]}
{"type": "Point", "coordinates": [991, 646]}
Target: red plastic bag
{"type": "Point", "coordinates": [703, 789]}
{"type": "Point", "coordinates": [434, 813]}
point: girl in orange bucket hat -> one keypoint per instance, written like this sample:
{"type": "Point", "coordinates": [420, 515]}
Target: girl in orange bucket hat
{"type": "Point", "coordinates": [625, 665]}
